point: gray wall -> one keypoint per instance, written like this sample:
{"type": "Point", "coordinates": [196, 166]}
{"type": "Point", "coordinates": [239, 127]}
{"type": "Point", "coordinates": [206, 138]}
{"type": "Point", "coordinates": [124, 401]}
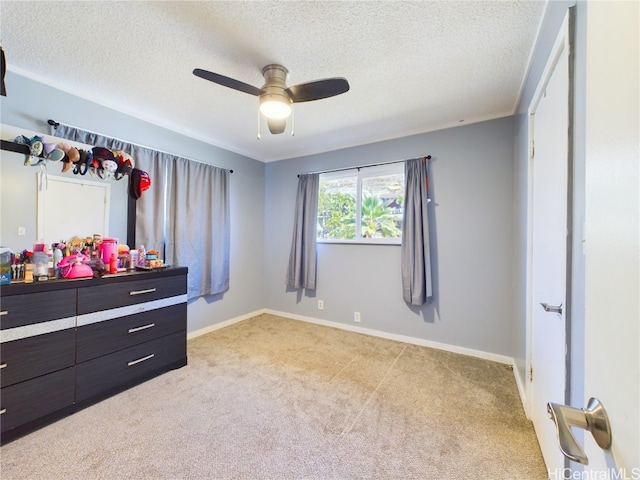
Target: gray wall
{"type": "Point", "coordinates": [29, 104]}
{"type": "Point", "coordinates": [471, 175]}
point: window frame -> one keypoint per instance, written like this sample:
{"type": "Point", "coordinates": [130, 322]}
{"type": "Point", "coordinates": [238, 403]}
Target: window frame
{"type": "Point", "coordinates": [361, 173]}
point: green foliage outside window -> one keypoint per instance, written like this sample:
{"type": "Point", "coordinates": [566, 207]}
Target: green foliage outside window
{"type": "Point", "coordinates": [337, 219]}
{"type": "Point", "coordinates": [377, 213]}
{"type": "Point", "coordinates": [336, 215]}
{"type": "Point", "coordinates": [379, 219]}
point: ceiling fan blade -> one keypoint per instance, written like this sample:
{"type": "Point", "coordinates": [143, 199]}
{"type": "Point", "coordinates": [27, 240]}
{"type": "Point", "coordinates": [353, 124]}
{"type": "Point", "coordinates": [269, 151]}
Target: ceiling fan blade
{"type": "Point", "coordinates": [227, 82]}
{"type": "Point", "coordinates": [329, 87]}
{"type": "Point", "coordinates": [277, 125]}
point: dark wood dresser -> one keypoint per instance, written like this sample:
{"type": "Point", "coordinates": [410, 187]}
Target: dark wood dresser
{"type": "Point", "coordinates": [66, 344]}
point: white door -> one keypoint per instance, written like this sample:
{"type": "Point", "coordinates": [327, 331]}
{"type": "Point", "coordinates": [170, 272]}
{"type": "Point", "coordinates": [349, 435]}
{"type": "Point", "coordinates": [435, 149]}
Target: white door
{"type": "Point", "coordinates": [612, 221]}
{"type": "Point", "coordinates": [549, 117]}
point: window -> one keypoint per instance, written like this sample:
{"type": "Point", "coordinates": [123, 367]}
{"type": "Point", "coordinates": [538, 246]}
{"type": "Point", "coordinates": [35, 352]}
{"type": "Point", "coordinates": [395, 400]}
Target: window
{"type": "Point", "coordinates": [362, 206]}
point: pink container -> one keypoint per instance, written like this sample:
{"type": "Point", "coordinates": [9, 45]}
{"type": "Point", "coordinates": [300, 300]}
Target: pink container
{"type": "Point", "coordinates": [108, 247]}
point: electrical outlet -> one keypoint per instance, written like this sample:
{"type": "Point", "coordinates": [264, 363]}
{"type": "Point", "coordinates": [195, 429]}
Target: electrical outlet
{"type": "Point", "coordinates": [22, 231]}
{"type": "Point", "coordinates": [356, 316]}
{"type": "Point", "coordinates": [320, 305]}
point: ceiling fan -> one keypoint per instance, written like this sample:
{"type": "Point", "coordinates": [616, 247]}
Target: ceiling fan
{"type": "Point", "coordinates": [275, 97]}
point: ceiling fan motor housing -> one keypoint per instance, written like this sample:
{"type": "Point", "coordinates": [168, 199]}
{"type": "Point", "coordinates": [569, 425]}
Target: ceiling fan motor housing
{"type": "Point", "coordinates": [275, 77]}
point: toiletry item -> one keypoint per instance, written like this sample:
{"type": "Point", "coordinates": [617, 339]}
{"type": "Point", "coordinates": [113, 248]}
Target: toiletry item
{"type": "Point", "coordinates": [142, 256]}
{"type": "Point", "coordinates": [28, 273]}
{"type": "Point", "coordinates": [50, 267]}
{"type": "Point", "coordinates": [124, 262]}
{"type": "Point", "coordinates": [5, 265]}
{"type": "Point", "coordinates": [57, 256]}
{"type": "Point", "coordinates": [40, 266]}
{"type": "Point", "coordinates": [108, 247]}
{"type": "Point", "coordinates": [134, 259]}
{"type": "Point", "coordinates": [113, 264]}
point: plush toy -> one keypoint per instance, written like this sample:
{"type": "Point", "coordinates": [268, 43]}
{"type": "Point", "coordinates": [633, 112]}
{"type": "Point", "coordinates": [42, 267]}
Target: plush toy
{"type": "Point", "coordinates": [66, 161]}
{"type": "Point", "coordinates": [125, 164]}
{"type": "Point", "coordinates": [83, 163]}
{"type": "Point", "coordinates": [36, 148]}
{"type": "Point", "coordinates": [52, 152]}
{"type": "Point", "coordinates": [72, 157]}
{"type": "Point", "coordinates": [109, 168]}
{"type": "Point", "coordinates": [39, 150]}
{"type": "Point", "coordinates": [108, 163]}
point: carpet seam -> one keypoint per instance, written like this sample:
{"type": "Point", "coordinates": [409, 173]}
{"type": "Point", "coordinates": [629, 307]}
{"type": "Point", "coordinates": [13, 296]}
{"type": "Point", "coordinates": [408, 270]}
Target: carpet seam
{"type": "Point", "coordinates": [348, 429]}
{"type": "Point", "coordinates": [344, 368]}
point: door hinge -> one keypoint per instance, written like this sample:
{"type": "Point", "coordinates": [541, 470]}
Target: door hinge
{"type": "Point", "coordinates": [530, 373]}
{"type": "Point", "coordinates": [533, 150]}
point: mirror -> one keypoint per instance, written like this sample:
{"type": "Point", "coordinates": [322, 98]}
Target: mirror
{"type": "Point", "coordinates": [55, 222]}
{"type": "Point", "coordinates": [19, 201]}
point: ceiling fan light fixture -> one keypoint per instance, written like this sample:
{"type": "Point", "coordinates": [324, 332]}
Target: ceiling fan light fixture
{"type": "Point", "coordinates": [275, 106]}
{"type": "Point", "coordinates": [276, 99]}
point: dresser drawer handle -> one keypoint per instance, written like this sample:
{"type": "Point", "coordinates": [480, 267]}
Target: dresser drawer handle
{"type": "Point", "coordinates": [3, 365]}
{"type": "Point", "coordinates": [4, 312]}
{"type": "Point", "coordinates": [140, 292]}
{"type": "Point", "coordinates": [3, 411]}
{"type": "Point", "coordinates": [143, 327]}
{"type": "Point", "coordinates": [140, 360]}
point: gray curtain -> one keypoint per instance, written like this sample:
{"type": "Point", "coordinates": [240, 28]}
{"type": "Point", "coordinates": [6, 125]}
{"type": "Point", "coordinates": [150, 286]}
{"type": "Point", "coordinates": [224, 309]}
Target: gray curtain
{"type": "Point", "coordinates": [153, 203]}
{"type": "Point", "coordinates": [301, 272]}
{"type": "Point", "coordinates": [184, 215]}
{"type": "Point", "coordinates": [415, 256]}
{"type": "Point", "coordinates": [198, 225]}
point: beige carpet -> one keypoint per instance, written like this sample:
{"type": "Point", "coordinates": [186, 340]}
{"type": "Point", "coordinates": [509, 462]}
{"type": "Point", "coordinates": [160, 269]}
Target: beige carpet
{"type": "Point", "coordinates": [274, 398]}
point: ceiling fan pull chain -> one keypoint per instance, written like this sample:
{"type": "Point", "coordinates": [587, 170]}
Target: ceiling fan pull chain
{"type": "Point", "coordinates": [292, 123]}
{"type": "Point", "coordinates": [259, 137]}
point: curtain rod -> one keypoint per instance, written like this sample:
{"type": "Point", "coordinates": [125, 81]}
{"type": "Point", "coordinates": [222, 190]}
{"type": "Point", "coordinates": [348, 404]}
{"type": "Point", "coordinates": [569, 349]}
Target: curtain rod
{"type": "Point", "coordinates": [55, 126]}
{"type": "Point", "coordinates": [428, 157]}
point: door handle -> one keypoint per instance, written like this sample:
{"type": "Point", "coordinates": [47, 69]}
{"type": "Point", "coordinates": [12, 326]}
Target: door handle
{"type": "Point", "coordinates": [593, 419]}
{"type": "Point", "coordinates": [551, 308]}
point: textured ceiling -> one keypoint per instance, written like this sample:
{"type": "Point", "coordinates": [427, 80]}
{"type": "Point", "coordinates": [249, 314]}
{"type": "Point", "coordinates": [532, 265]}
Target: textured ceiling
{"type": "Point", "coordinates": [413, 67]}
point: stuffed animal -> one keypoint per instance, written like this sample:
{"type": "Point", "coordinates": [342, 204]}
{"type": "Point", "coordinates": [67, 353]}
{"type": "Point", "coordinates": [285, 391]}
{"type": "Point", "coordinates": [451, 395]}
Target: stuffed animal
{"type": "Point", "coordinates": [125, 164]}
{"type": "Point", "coordinates": [83, 163]}
{"type": "Point", "coordinates": [109, 168]}
{"type": "Point", "coordinates": [108, 163]}
{"type": "Point", "coordinates": [36, 148]}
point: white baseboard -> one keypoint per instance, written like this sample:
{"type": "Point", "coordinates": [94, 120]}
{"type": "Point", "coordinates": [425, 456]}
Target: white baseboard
{"type": "Point", "coordinates": [520, 383]}
{"type": "Point", "coordinates": [400, 338]}
{"type": "Point", "coordinates": [226, 323]}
